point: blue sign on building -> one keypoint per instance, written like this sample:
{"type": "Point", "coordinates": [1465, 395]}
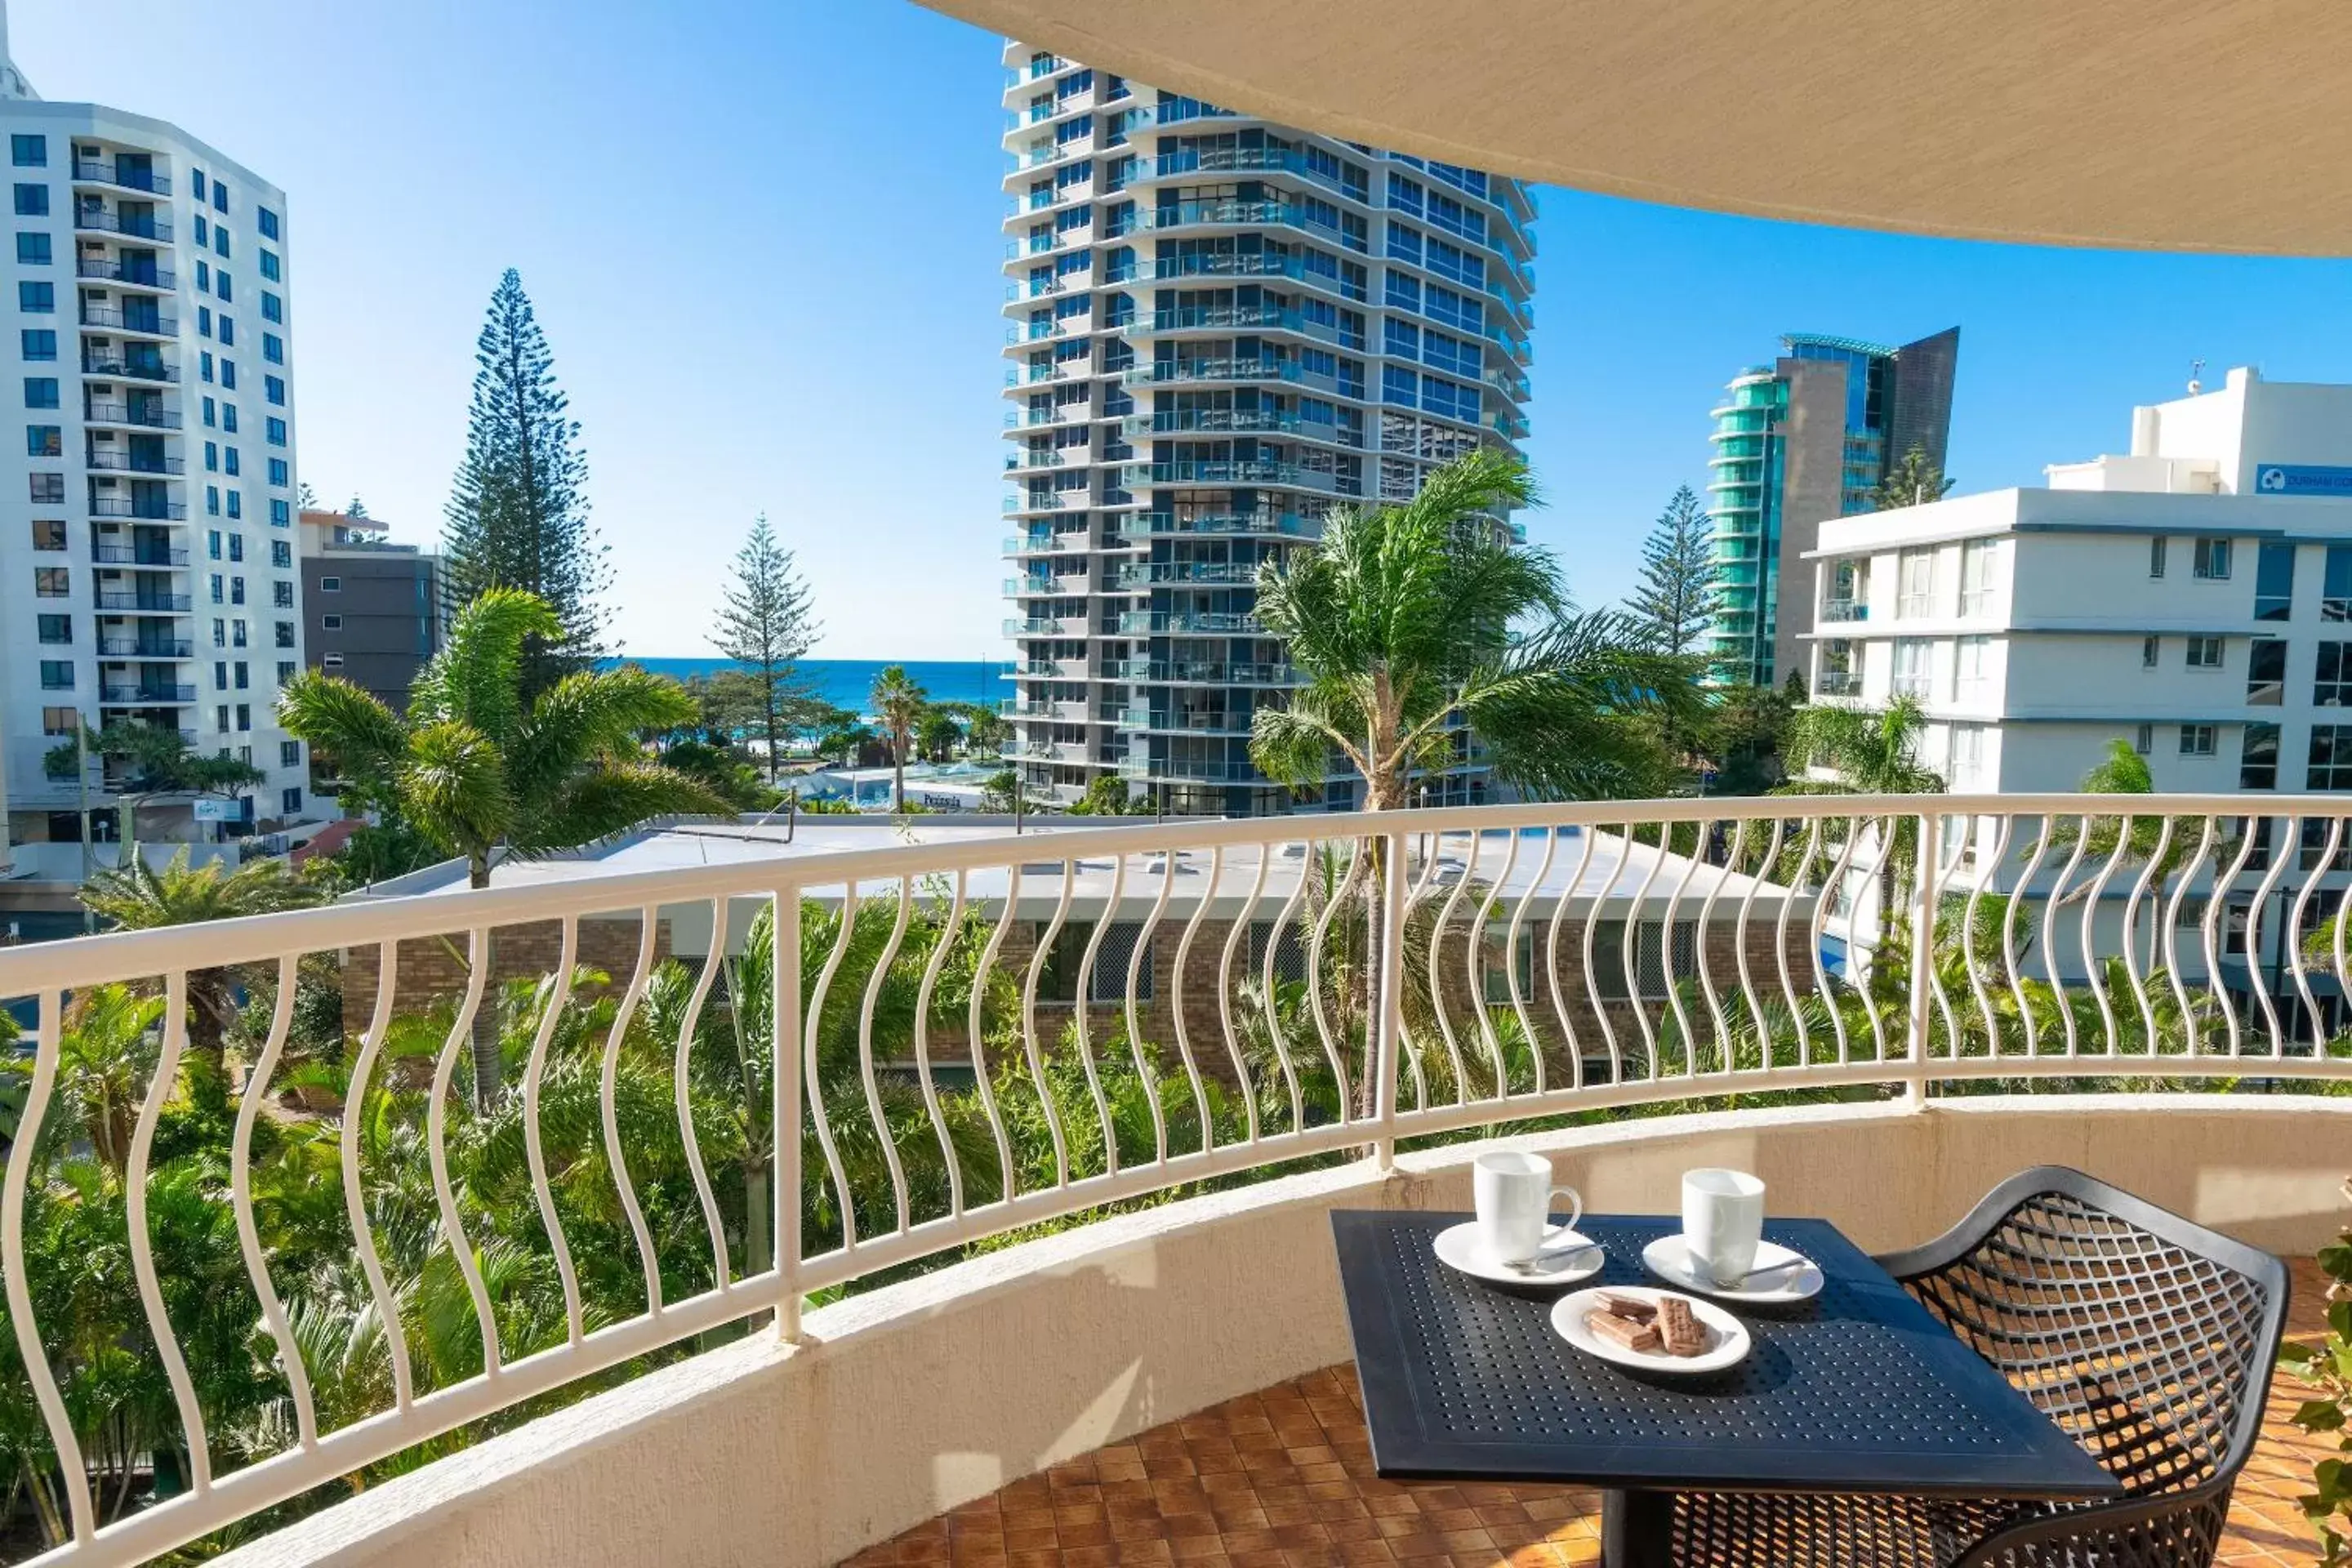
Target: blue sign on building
{"type": "Point", "coordinates": [2301, 479]}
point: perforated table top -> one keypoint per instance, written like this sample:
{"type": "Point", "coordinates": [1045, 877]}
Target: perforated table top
{"type": "Point", "coordinates": [1859, 1390]}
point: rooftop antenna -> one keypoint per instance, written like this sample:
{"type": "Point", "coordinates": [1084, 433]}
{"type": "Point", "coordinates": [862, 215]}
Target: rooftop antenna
{"type": "Point", "coordinates": [2196, 374]}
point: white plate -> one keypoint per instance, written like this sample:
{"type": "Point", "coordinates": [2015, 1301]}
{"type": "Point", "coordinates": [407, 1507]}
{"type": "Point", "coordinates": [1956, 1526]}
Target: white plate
{"type": "Point", "coordinates": [1565, 1258]}
{"type": "Point", "coordinates": [1778, 1276]}
{"type": "Point", "coordinates": [1727, 1338]}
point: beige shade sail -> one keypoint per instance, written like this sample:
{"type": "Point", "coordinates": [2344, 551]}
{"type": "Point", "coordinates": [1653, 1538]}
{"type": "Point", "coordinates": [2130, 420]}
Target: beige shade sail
{"type": "Point", "coordinates": [2211, 125]}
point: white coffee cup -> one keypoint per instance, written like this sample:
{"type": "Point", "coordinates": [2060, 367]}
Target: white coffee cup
{"type": "Point", "coordinates": [1514, 1196]}
{"type": "Point", "coordinates": [1723, 1222]}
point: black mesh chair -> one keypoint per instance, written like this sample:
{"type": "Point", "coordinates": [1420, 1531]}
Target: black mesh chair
{"type": "Point", "coordinates": [2146, 1339]}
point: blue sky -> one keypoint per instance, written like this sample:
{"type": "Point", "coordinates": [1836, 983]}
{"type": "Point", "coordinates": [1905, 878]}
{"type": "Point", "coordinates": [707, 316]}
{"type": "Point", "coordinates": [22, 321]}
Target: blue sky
{"type": "Point", "coordinates": [763, 239]}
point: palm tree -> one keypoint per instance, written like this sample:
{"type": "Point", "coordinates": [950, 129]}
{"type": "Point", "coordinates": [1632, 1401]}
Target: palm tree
{"type": "Point", "coordinates": [1416, 628]}
{"type": "Point", "coordinates": [899, 703]}
{"type": "Point", "coordinates": [1872, 752]}
{"type": "Point", "coordinates": [135, 896]}
{"type": "Point", "coordinates": [485, 775]}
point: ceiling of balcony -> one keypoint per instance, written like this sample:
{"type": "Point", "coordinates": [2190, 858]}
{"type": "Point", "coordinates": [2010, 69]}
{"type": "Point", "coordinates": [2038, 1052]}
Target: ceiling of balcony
{"type": "Point", "coordinates": [2157, 125]}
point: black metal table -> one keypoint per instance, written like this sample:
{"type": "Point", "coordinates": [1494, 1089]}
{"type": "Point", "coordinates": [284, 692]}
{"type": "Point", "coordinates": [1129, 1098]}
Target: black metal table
{"type": "Point", "coordinates": [1859, 1390]}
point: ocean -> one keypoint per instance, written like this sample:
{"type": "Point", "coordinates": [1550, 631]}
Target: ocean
{"type": "Point", "coordinates": [849, 682]}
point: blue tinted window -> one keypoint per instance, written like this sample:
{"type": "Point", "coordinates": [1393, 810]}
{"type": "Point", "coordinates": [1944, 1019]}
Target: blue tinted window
{"type": "Point", "coordinates": [30, 151]}
{"type": "Point", "coordinates": [40, 391]}
{"type": "Point", "coordinates": [33, 249]}
{"type": "Point", "coordinates": [39, 342]}
{"type": "Point", "coordinates": [40, 298]}
{"type": "Point", "coordinates": [32, 201]}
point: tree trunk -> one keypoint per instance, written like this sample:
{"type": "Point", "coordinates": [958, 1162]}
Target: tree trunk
{"type": "Point", "coordinates": [899, 771]}
{"type": "Point", "coordinates": [486, 1040]}
{"type": "Point", "coordinates": [756, 1218]}
{"type": "Point", "coordinates": [44, 1507]}
{"type": "Point", "coordinates": [208, 1063]}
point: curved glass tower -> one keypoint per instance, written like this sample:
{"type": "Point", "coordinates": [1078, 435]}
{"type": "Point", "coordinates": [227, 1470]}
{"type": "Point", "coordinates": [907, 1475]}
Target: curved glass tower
{"type": "Point", "coordinates": [1218, 329]}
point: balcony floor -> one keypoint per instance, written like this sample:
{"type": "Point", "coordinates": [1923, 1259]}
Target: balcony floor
{"type": "Point", "coordinates": [1283, 1478]}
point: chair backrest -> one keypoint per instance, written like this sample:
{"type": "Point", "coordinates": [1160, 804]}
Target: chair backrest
{"type": "Point", "coordinates": [2146, 1338]}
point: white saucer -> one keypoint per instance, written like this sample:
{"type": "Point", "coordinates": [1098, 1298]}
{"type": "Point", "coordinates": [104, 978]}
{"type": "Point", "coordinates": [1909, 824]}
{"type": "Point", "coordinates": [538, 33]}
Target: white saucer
{"type": "Point", "coordinates": [1726, 1344]}
{"type": "Point", "coordinates": [1567, 1258]}
{"type": "Point", "coordinates": [1778, 1276]}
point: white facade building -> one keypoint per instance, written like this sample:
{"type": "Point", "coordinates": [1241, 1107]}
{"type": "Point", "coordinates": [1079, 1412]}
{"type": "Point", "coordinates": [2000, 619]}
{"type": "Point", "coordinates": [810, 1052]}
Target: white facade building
{"type": "Point", "coordinates": [2192, 596]}
{"type": "Point", "coordinates": [148, 561]}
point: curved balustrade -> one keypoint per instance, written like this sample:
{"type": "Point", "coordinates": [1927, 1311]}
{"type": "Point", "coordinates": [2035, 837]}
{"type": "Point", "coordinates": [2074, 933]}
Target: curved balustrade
{"type": "Point", "coordinates": [989, 1033]}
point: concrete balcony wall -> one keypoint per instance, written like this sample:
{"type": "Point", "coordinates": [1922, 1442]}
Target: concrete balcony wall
{"type": "Point", "coordinates": [909, 1400]}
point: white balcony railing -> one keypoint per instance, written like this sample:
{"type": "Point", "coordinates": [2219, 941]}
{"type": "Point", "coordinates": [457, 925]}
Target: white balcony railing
{"type": "Point", "coordinates": [1371, 978]}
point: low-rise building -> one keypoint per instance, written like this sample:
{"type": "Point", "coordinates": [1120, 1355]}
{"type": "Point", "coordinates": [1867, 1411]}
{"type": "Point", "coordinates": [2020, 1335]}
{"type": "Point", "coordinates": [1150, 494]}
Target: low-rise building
{"type": "Point", "coordinates": [2192, 596]}
{"type": "Point", "coordinates": [377, 609]}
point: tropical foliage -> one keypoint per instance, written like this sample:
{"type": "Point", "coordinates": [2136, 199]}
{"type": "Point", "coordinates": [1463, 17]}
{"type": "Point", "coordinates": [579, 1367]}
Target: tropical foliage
{"type": "Point", "coordinates": [2326, 1368]}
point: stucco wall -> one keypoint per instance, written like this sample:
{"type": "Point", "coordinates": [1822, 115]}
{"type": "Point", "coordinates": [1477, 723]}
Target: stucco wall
{"type": "Point", "coordinates": [912, 1399]}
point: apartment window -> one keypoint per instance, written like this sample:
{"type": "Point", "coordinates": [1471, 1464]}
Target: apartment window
{"type": "Point", "coordinates": [28, 151]}
{"type": "Point", "coordinates": [281, 554]}
{"type": "Point", "coordinates": [203, 276]}
{"type": "Point", "coordinates": [279, 472]}
{"type": "Point", "coordinates": [39, 342]}
{"type": "Point", "coordinates": [269, 265]}
{"type": "Point", "coordinates": [212, 500]}
{"type": "Point", "coordinates": [212, 456]}
{"type": "Point", "coordinates": [36, 299]}
{"type": "Point", "coordinates": [273, 309]}
{"type": "Point", "coordinates": [1971, 657]}
{"type": "Point", "coordinates": [1968, 756]}
{"type": "Point", "coordinates": [218, 584]}
{"type": "Point", "coordinates": [56, 675]}
{"type": "Point", "coordinates": [204, 364]}
{"type": "Point", "coordinates": [41, 392]}
{"type": "Point", "coordinates": [237, 634]}
{"type": "Point", "coordinates": [236, 503]}
{"type": "Point", "coordinates": [2258, 758]}
{"type": "Point", "coordinates": [281, 595]}
{"type": "Point", "coordinates": [212, 411]}
{"type": "Point", "coordinates": [331, 661]}
{"type": "Point", "coordinates": [53, 582]}
{"type": "Point", "coordinates": [229, 375]}
{"type": "Point", "coordinates": [45, 441]}
{"type": "Point", "coordinates": [330, 585]}
{"type": "Point", "coordinates": [204, 231]}
{"type": "Point", "coordinates": [220, 675]}
{"type": "Point", "coordinates": [2265, 672]}
{"type": "Point", "coordinates": [236, 590]}
{"type": "Point", "coordinates": [223, 289]}
{"type": "Point", "coordinates": [33, 250]}
{"type": "Point", "coordinates": [273, 347]}
{"type": "Point", "coordinates": [2335, 584]}
{"type": "Point", "coordinates": [2150, 650]}
{"type": "Point", "coordinates": [290, 753]}
{"type": "Point", "coordinates": [2144, 738]}
{"type": "Point", "coordinates": [220, 195]}
{"type": "Point", "coordinates": [289, 801]}
{"type": "Point", "coordinates": [2331, 685]}
{"type": "Point", "coordinates": [229, 418]}
{"type": "Point", "coordinates": [227, 330]}
{"type": "Point", "coordinates": [197, 184]}
{"type": "Point", "coordinates": [281, 512]}
{"type": "Point", "coordinates": [48, 490]}
{"type": "Point", "coordinates": [2196, 740]}
{"type": "Point", "coordinates": [244, 675]}
{"type": "Point", "coordinates": [48, 533]}
{"type": "Point", "coordinates": [32, 201]}
{"type": "Point", "coordinates": [1976, 576]}
{"type": "Point", "coordinates": [285, 671]}
{"type": "Point", "coordinates": [213, 542]}
{"type": "Point", "coordinates": [1912, 659]}
{"type": "Point", "coordinates": [229, 463]}
{"type": "Point", "coordinates": [266, 221]}
{"type": "Point", "coordinates": [60, 721]}
{"type": "Point", "coordinates": [1915, 584]}
{"type": "Point", "coordinates": [331, 622]}
{"type": "Point", "coordinates": [2212, 560]}
{"type": "Point", "coordinates": [2156, 556]}
{"type": "Point", "coordinates": [2204, 653]}
{"type": "Point", "coordinates": [2331, 757]}
{"type": "Point", "coordinates": [274, 430]}
{"type": "Point", "coordinates": [55, 629]}
{"type": "Point", "coordinates": [286, 633]}
{"type": "Point", "coordinates": [2275, 583]}
{"type": "Point", "coordinates": [244, 717]}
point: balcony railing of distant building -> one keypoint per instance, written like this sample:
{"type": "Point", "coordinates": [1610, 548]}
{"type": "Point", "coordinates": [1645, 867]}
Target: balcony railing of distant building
{"type": "Point", "coordinates": [1148, 623]}
{"type": "Point", "coordinates": [147, 603]}
{"type": "Point", "coordinates": [137, 555]}
{"type": "Point", "coordinates": [125, 369]}
{"type": "Point", "coordinates": [138, 509]}
{"type": "Point", "coordinates": [152, 322]}
{"type": "Point", "coordinates": [143, 696]}
{"type": "Point", "coordinates": [136, 226]}
{"type": "Point", "coordinates": [145, 648]}
{"type": "Point", "coordinates": [98, 458]}
{"type": "Point", "coordinates": [152, 417]}
{"type": "Point", "coordinates": [130, 176]}
{"type": "Point", "coordinates": [137, 275]}
{"type": "Point", "coordinates": [1844, 610]}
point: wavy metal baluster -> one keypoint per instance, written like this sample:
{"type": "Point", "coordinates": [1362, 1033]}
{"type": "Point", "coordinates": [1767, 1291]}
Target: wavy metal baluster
{"type": "Point", "coordinates": [1936, 990]}
{"type": "Point", "coordinates": [939, 950]}
{"type": "Point", "coordinates": [2051, 903]}
{"type": "Point", "coordinates": [387, 982]}
{"type": "Point", "coordinates": [1985, 872]}
{"type": "Point", "coordinates": [2343, 975]}
{"type": "Point", "coordinates": [1591, 967]}
{"type": "Point", "coordinates": [1630, 952]}
{"type": "Point", "coordinates": [613, 1152]}
{"type": "Point", "coordinates": [1473, 968]}
{"type": "Point", "coordinates": [1422, 888]}
{"type": "Point", "coordinates": [1740, 933]}
{"type": "Point", "coordinates": [2215, 907]}
{"type": "Point", "coordinates": [1511, 956]}
{"type": "Point", "coordinates": [2092, 967]}
{"type": "Point", "coordinates": [2310, 884]}
{"type": "Point", "coordinates": [1176, 987]}
{"type": "Point", "coordinates": [1436, 980]}
{"type": "Point", "coordinates": [1666, 928]}
{"type": "Point", "coordinates": [559, 997]}
{"type": "Point", "coordinates": [978, 1029]}
{"type": "Point", "coordinates": [1357, 854]}
{"type": "Point", "coordinates": [1282, 919]}
{"type": "Point", "coordinates": [1795, 887]}
{"type": "Point", "coordinates": [159, 1087]}
{"type": "Point", "coordinates": [2009, 952]}
{"type": "Point", "coordinates": [681, 1069]}
{"type": "Point", "coordinates": [809, 1075]}
{"type": "Point", "coordinates": [1136, 958]}
{"type": "Point", "coordinates": [1029, 1025]}
{"type": "Point", "coordinates": [2191, 1028]}
{"type": "Point", "coordinates": [1552, 957]}
{"type": "Point", "coordinates": [1085, 1005]}
{"type": "Point", "coordinates": [1831, 886]}
{"type": "Point", "coordinates": [240, 1187]}
{"type": "Point", "coordinates": [2129, 931]}
{"type": "Point", "coordinates": [35, 1357]}
{"type": "Point", "coordinates": [2289, 848]}
{"type": "Point", "coordinates": [437, 1147]}
{"type": "Point", "coordinates": [875, 980]}
{"type": "Point", "coordinates": [1243, 921]}
{"type": "Point", "coordinates": [1706, 988]}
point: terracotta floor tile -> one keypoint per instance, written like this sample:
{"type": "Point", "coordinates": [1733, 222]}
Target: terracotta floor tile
{"type": "Point", "coordinates": [1283, 1478]}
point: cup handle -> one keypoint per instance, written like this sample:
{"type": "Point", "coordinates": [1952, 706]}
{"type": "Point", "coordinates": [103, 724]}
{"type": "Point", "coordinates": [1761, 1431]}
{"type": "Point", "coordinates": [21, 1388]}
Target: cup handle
{"type": "Point", "coordinates": [1575, 1207]}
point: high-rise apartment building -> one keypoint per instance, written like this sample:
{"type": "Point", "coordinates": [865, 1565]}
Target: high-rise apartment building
{"type": "Point", "coordinates": [147, 542]}
{"type": "Point", "coordinates": [1218, 327]}
{"type": "Point", "coordinates": [373, 611]}
{"type": "Point", "coordinates": [1803, 439]}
